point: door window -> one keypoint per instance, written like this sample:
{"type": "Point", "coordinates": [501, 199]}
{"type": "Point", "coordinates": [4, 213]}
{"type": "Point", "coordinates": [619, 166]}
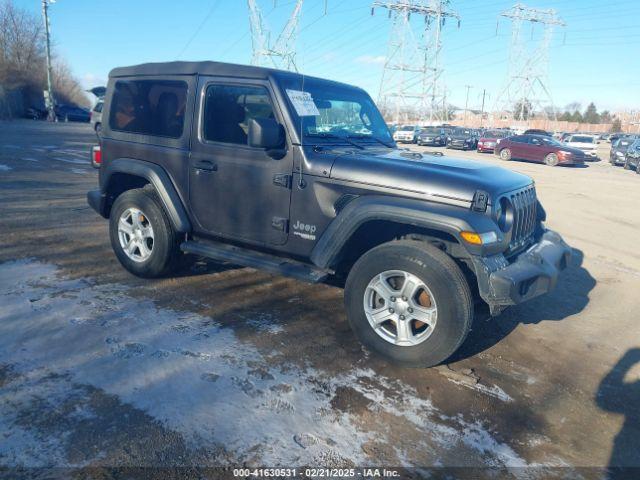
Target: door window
{"type": "Point", "coordinates": [228, 110]}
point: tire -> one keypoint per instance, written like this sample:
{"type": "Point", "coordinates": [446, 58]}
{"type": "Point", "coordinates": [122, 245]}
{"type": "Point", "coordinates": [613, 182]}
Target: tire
{"type": "Point", "coordinates": [164, 252]}
{"type": "Point", "coordinates": [98, 128]}
{"type": "Point", "coordinates": [638, 168]}
{"type": "Point", "coordinates": [449, 294]}
{"type": "Point", "coordinates": [66, 119]}
{"type": "Point", "coordinates": [505, 154]}
{"type": "Point", "coordinates": [627, 165]}
{"type": "Point", "coordinates": [551, 160]}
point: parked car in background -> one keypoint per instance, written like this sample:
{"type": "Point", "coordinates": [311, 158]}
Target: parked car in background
{"type": "Point", "coordinates": [617, 136]}
{"type": "Point", "coordinates": [488, 141]}
{"type": "Point", "coordinates": [537, 131]}
{"type": "Point", "coordinates": [539, 148]}
{"type": "Point", "coordinates": [462, 139]}
{"type": "Point", "coordinates": [617, 154]}
{"type": "Point", "coordinates": [35, 113]}
{"type": "Point", "coordinates": [407, 134]}
{"type": "Point", "coordinates": [632, 157]}
{"type": "Point", "coordinates": [96, 117]}
{"type": "Point", "coordinates": [72, 113]}
{"type": "Point", "coordinates": [586, 143]}
{"type": "Point", "coordinates": [436, 136]}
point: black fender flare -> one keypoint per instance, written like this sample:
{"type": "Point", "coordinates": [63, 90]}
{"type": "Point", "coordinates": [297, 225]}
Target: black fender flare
{"type": "Point", "coordinates": [419, 213]}
{"type": "Point", "coordinates": [159, 179]}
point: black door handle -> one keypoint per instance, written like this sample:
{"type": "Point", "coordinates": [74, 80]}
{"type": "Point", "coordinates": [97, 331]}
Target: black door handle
{"type": "Point", "coordinates": [206, 165]}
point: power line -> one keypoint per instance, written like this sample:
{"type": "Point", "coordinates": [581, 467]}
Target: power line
{"type": "Point", "coordinates": [214, 5]}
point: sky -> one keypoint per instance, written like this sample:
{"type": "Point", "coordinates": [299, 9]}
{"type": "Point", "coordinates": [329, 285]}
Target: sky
{"type": "Point", "coordinates": [594, 58]}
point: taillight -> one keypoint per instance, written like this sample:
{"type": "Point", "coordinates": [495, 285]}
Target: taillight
{"type": "Point", "coordinates": [96, 156]}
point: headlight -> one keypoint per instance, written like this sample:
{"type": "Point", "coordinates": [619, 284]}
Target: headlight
{"type": "Point", "coordinates": [438, 139]}
{"type": "Point", "coordinates": [619, 154]}
{"type": "Point", "coordinates": [564, 152]}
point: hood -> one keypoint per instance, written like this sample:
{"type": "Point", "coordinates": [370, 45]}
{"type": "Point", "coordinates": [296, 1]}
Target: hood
{"type": "Point", "coordinates": [443, 178]}
{"type": "Point", "coordinates": [581, 145]}
{"type": "Point", "coordinates": [460, 137]}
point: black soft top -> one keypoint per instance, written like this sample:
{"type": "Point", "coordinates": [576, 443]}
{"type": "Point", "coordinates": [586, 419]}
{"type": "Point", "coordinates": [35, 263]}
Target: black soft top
{"type": "Point", "coordinates": [207, 68]}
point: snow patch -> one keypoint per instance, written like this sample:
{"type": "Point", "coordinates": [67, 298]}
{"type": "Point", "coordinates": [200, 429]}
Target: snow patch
{"type": "Point", "coordinates": [199, 379]}
{"type": "Point", "coordinates": [4, 168]}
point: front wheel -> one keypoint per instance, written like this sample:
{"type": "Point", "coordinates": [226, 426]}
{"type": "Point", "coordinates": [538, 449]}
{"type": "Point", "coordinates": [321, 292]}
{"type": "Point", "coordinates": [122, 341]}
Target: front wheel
{"type": "Point", "coordinates": [505, 154]}
{"type": "Point", "coordinates": [551, 160]}
{"type": "Point", "coordinates": [142, 236]}
{"type": "Point", "coordinates": [627, 165]}
{"type": "Point", "coordinates": [409, 302]}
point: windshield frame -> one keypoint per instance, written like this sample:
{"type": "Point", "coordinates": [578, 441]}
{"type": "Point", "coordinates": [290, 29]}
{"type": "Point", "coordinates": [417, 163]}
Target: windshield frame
{"type": "Point", "coordinates": [288, 81]}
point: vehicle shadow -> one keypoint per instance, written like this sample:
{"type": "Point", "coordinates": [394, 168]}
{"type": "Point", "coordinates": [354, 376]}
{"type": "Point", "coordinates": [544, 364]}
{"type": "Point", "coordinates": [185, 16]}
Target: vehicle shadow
{"type": "Point", "coordinates": [616, 395]}
{"type": "Point", "coordinates": [570, 297]}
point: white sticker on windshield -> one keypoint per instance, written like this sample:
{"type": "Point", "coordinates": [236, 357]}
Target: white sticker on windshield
{"type": "Point", "coordinates": [303, 103]}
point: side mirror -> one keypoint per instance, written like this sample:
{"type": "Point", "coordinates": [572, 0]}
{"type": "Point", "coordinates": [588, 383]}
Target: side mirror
{"type": "Point", "coordinates": [265, 133]}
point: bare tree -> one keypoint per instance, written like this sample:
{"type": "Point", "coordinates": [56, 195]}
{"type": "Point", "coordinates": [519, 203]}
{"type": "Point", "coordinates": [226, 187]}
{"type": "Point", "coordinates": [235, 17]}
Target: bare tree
{"type": "Point", "coordinates": [22, 60]}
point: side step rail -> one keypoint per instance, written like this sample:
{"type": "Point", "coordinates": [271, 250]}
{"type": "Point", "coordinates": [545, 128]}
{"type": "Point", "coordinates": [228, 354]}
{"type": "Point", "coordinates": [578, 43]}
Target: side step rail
{"type": "Point", "coordinates": [258, 260]}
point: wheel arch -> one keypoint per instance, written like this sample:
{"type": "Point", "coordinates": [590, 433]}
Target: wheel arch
{"type": "Point", "coordinates": [124, 174]}
{"type": "Point", "coordinates": [367, 222]}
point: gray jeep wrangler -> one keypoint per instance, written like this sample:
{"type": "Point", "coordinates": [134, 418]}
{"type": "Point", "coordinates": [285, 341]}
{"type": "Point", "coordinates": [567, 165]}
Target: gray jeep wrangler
{"type": "Point", "coordinates": [300, 176]}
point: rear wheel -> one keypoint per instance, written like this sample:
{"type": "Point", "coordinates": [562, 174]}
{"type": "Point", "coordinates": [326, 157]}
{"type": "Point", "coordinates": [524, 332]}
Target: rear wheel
{"type": "Point", "coordinates": [551, 160]}
{"type": "Point", "coordinates": [505, 154]}
{"type": "Point", "coordinates": [409, 302]}
{"type": "Point", "coordinates": [141, 234]}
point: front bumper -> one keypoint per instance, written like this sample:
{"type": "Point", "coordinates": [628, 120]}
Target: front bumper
{"type": "Point", "coordinates": [532, 273]}
{"type": "Point", "coordinates": [487, 147]}
{"type": "Point", "coordinates": [460, 146]}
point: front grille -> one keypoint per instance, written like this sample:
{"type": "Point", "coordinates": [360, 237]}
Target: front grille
{"type": "Point", "coordinates": [524, 217]}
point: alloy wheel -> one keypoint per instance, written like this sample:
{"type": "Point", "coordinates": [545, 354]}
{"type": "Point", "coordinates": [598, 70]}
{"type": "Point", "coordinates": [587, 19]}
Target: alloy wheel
{"type": "Point", "coordinates": [400, 308]}
{"type": "Point", "coordinates": [135, 234]}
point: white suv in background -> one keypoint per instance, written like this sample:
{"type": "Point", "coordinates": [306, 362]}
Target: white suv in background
{"type": "Point", "coordinates": [407, 134]}
{"type": "Point", "coordinates": [96, 117]}
{"type": "Point", "coordinates": [587, 143]}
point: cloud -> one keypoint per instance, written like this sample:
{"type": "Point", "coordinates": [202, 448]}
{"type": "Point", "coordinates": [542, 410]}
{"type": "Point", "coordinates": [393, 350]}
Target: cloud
{"type": "Point", "coordinates": [371, 59]}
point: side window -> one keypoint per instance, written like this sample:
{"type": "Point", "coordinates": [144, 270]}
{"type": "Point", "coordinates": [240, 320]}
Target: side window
{"type": "Point", "coordinates": [519, 139]}
{"type": "Point", "coordinates": [228, 109]}
{"type": "Point", "coordinates": [149, 107]}
{"type": "Point", "coordinates": [98, 107]}
{"type": "Point", "coordinates": [535, 141]}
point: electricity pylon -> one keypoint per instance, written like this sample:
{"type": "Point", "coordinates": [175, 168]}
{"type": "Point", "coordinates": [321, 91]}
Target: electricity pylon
{"type": "Point", "coordinates": [526, 89]}
{"type": "Point", "coordinates": [281, 53]}
{"type": "Point", "coordinates": [412, 81]}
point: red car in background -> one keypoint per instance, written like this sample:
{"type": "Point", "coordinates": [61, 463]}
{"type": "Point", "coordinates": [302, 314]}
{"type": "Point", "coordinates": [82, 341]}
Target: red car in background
{"type": "Point", "coordinates": [489, 140]}
{"type": "Point", "coordinates": [538, 148]}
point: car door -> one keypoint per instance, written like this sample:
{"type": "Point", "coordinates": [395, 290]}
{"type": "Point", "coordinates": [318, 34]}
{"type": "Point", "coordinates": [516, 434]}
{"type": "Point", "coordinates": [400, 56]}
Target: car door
{"type": "Point", "coordinates": [518, 146]}
{"type": "Point", "coordinates": [536, 150]}
{"type": "Point", "coordinates": [237, 191]}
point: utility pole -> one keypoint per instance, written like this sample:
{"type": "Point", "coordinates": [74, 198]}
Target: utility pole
{"type": "Point", "coordinates": [50, 102]}
{"type": "Point", "coordinates": [411, 79]}
{"type": "Point", "coordinates": [484, 94]}
{"type": "Point", "coordinates": [466, 104]}
{"type": "Point", "coordinates": [282, 52]}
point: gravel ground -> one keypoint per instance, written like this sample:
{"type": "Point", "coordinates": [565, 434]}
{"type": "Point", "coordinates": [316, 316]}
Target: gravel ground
{"type": "Point", "coordinates": [223, 366]}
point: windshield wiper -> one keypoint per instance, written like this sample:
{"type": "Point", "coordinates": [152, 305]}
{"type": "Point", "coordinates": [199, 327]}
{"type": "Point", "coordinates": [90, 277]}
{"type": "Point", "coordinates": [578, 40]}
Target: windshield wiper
{"type": "Point", "coordinates": [372, 138]}
{"type": "Point", "coordinates": [338, 137]}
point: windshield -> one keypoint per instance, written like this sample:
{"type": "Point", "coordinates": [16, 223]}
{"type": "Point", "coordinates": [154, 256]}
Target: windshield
{"type": "Point", "coordinates": [580, 139]}
{"type": "Point", "coordinates": [431, 130]}
{"type": "Point", "coordinates": [461, 131]}
{"type": "Point", "coordinates": [550, 141]}
{"type": "Point", "coordinates": [323, 108]}
{"type": "Point", "coordinates": [623, 143]}
{"type": "Point", "coordinates": [407, 128]}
